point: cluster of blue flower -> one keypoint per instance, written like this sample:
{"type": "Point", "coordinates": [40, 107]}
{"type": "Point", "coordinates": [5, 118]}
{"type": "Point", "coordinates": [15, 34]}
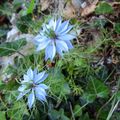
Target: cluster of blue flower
{"type": "Point", "coordinates": [54, 37]}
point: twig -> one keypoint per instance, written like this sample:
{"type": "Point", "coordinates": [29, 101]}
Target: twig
{"type": "Point", "coordinates": [73, 117]}
{"type": "Point", "coordinates": [20, 53]}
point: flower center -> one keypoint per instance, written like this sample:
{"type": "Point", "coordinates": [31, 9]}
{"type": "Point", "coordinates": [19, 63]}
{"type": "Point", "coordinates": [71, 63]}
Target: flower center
{"type": "Point", "coordinates": [33, 85]}
{"type": "Point", "coordinates": [51, 34]}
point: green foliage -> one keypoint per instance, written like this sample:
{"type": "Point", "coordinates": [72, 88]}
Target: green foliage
{"type": "Point", "coordinates": [57, 83]}
{"type": "Point", "coordinates": [58, 115]}
{"type": "Point", "coordinates": [79, 82]}
{"type": "Point", "coordinates": [77, 111]}
{"type": "Point", "coordinates": [17, 3]}
{"type": "Point", "coordinates": [3, 32]}
{"type": "Point", "coordinates": [118, 95]}
{"type": "Point", "coordinates": [2, 115]}
{"type": "Point", "coordinates": [9, 48]}
{"type": "Point", "coordinates": [17, 112]}
{"type": "Point", "coordinates": [5, 9]}
{"type": "Point", "coordinates": [117, 27]}
{"type": "Point", "coordinates": [95, 89]}
{"type": "Point", "coordinates": [30, 8]}
{"type": "Point", "coordinates": [104, 8]}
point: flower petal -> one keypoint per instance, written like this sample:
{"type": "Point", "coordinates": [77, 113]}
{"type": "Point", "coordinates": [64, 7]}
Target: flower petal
{"type": "Point", "coordinates": [39, 76]}
{"type": "Point", "coordinates": [22, 94]}
{"type": "Point", "coordinates": [52, 23]}
{"type": "Point", "coordinates": [43, 78]}
{"type": "Point", "coordinates": [26, 79]}
{"type": "Point", "coordinates": [40, 94]}
{"type": "Point", "coordinates": [43, 86]}
{"type": "Point", "coordinates": [67, 30]}
{"type": "Point", "coordinates": [35, 71]}
{"type": "Point", "coordinates": [69, 44]}
{"type": "Point", "coordinates": [50, 51]}
{"type": "Point", "coordinates": [22, 88]}
{"type": "Point", "coordinates": [31, 99]}
{"type": "Point", "coordinates": [62, 27]}
{"type": "Point", "coordinates": [61, 46]}
{"type": "Point", "coordinates": [43, 45]}
{"type": "Point", "coordinates": [58, 24]}
{"type": "Point", "coordinates": [66, 37]}
{"type": "Point", "coordinates": [40, 38]}
{"type": "Point", "coordinates": [30, 74]}
{"type": "Point", "coordinates": [40, 90]}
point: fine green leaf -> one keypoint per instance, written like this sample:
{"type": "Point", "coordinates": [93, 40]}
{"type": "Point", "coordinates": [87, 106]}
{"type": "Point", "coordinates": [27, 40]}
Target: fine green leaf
{"type": "Point", "coordinates": [2, 115]}
{"type": "Point", "coordinates": [118, 95]}
{"type": "Point", "coordinates": [77, 111]}
{"type": "Point", "coordinates": [18, 111]}
{"type": "Point", "coordinates": [104, 8]}
{"type": "Point", "coordinates": [117, 27]}
{"type": "Point", "coordinates": [9, 48]}
{"type": "Point", "coordinates": [29, 9]}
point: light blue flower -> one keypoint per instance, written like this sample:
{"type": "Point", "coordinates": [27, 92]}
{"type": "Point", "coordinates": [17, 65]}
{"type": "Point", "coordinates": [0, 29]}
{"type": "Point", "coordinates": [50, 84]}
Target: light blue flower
{"type": "Point", "coordinates": [55, 37]}
{"type": "Point", "coordinates": [32, 85]}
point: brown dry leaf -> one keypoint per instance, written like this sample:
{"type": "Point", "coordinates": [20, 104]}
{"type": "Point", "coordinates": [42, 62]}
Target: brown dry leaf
{"type": "Point", "coordinates": [89, 9]}
{"type": "Point", "coordinates": [69, 11]}
{"type": "Point", "coordinates": [76, 4]}
{"type": "Point", "coordinates": [115, 3]}
{"type": "Point", "coordinates": [44, 4]}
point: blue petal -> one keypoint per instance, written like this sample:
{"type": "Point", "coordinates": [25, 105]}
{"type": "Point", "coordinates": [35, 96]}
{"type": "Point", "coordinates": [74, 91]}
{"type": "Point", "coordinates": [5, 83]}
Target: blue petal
{"type": "Point", "coordinates": [43, 45]}
{"type": "Point", "coordinates": [40, 90]}
{"type": "Point", "coordinates": [35, 72]}
{"type": "Point", "coordinates": [58, 24]}
{"type": "Point", "coordinates": [50, 51]}
{"type": "Point", "coordinates": [30, 74]}
{"type": "Point", "coordinates": [69, 44]}
{"type": "Point", "coordinates": [38, 77]}
{"type": "Point", "coordinates": [26, 79]}
{"type": "Point", "coordinates": [40, 38]}
{"type": "Point", "coordinates": [67, 30]}
{"type": "Point", "coordinates": [22, 88]}
{"type": "Point", "coordinates": [61, 45]}
{"type": "Point", "coordinates": [31, 99]}
{"type": "Point", "coordinates": [52, 23]}
{"type": "Point", "coordinates": [66, 37]}
{"type": "Point", "coordinates": [43, 78]}
{"type": "Point", "coordinates": [60, 52]}
{"type": "Point", "coordinates": [40, 94]}
{"type": "Point", "coordinates": [22, 94]}
{"type": "Point", "coordinates": [41, 97]}
{"type": "Point", "coordinates": [43, 86]}
{"type": "Point", "coordinates": [63, 27]}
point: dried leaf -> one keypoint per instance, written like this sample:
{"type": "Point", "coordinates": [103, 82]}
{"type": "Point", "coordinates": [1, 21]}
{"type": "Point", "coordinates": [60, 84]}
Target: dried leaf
{"type": "Point", "coordinates": [76, 4]}
{"type": "Point", "coordinates": [115, 3]}
{"type": "Point", "coordinates": [13, 19]}
{"type": "Point", "coordinates": [12, 34]}
{"type": "Point", "coordinates": [44, 4]}
{"type": "Point", "coordinates": [79, 4]}
{"type": "Point", "coordinates": [89, 9]}
{"type": "Point", "coordinates": [69, 11]}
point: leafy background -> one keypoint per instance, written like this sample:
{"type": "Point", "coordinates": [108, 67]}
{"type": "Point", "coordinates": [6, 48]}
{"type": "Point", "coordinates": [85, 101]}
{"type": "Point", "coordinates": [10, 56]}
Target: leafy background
{"type": "Point", "coordinates": [84, 85]}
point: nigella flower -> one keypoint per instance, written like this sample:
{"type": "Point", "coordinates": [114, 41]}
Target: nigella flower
{"type": "Point", "coordinates": [33, 86]}
{"type": "Point", "coordinates": [55, 37]}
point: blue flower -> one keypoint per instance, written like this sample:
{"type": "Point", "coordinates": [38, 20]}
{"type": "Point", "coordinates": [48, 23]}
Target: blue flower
{"type": "Point", "coordinates": [55, 37]}
{"type": "Point", "coordinates": [32, 84]}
